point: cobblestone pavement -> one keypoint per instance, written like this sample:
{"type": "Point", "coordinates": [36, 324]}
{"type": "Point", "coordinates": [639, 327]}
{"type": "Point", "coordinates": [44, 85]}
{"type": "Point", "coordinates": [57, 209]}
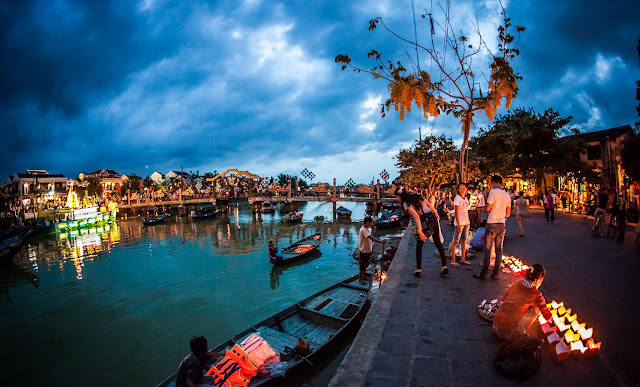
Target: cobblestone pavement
{"type": "Point", "coordinates": [426, 331]}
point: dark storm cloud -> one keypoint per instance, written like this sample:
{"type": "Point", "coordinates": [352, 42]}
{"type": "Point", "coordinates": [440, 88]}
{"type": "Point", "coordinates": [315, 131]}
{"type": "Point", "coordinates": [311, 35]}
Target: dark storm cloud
{"type": "Point", "coordinates": [215, 85]}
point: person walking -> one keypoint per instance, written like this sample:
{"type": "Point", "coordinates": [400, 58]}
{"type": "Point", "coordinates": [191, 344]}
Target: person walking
{"type": "Point", "coordinates": [479, 206]}
{"type": "Point", "coordinates": [425, 219]}
{"type": "Point", "coordinates": [499, 209]}
{"type": "Point", "coordinates": [622, 218]}
{"type": "Point", "coordinates": [547, 201]}
{"type": "Point", "coordinates": [461, 225]}
{"type": "Point", "coordinates": [554, 204]}
{"type": "Point", "coordinates": [473, 202]}
{"type": "Point", "coordinates": [521, 210]}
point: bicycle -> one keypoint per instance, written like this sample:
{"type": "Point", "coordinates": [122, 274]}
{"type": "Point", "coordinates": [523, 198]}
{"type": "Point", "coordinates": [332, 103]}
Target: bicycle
{"type": "Point", "coordinates": [598, 220]}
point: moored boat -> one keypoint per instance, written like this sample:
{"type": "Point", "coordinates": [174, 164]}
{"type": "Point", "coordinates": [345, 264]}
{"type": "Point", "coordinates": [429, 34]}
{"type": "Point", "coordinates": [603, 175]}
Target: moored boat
{"type": "Point", "coordinates": [320, 320]}
{"type": "Point", "coordinates": [9, 246]}
{"type": "Point", "coordinates": [84, 217]}
{"type": "Point", "coordinates": [343, 212]}
{"type": "Point", "coordinates": [389, 220]}
{"type": "Point", "coordinates": [294, 217]}
{"type": "Point", "coordinates": [301, 249]}
{"type": "Point", "coordinates": [205, 211]}
{"type": "Point", "coordinates": [154, 220]}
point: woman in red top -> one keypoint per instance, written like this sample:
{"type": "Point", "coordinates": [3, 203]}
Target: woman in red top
{"type": "Point", "coordinates": [521, 304]}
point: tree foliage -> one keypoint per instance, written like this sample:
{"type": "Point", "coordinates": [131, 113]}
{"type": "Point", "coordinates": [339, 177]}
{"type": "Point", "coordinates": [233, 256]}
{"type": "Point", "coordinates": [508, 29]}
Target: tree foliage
{"type": "Point", "coordinates": [147, 182]}
{"type": "Point", "coordinates": [530, 144]}
{"type": "Point", "coordinates": [455, 85]}
{"type": "Point", "coordinates": [638, 94]}
{"type": "Point", "coordinates": [429, 163]}
{"type": "Point", "coordinates": [631, 157]}
{"type": "Point", "coordinates": [94, 188]}
{"type": "Point", "coordinates": [132, 183]}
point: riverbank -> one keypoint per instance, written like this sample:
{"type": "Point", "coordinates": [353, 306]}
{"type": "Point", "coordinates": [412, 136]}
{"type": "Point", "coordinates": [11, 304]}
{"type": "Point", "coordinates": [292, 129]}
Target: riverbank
{"type": "Point", "coordinates": [426, 331]}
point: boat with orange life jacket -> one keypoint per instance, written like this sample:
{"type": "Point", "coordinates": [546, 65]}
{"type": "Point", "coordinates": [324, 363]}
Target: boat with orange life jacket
{"type": "Point", "coordinates": [289, 339]}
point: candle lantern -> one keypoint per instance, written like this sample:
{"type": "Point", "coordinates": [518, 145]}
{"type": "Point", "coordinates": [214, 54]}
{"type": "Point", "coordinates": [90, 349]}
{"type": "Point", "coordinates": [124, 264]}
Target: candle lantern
{"type": "Point", "coordinates": [566, 333]}
{"type": "Point", "coordinates": [514, 265]}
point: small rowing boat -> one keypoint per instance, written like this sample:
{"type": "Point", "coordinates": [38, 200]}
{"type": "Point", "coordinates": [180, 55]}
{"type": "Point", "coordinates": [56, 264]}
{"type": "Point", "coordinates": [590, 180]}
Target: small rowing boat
{"type": "Point", "coordinates": [319, 320]}
{"type": "Point", "coordinates": [389, 220]}
{"type": "Point", "coordinates": [301, 249]}
{"type": "Point", "coordinates": [294, 217]}
{"type": "Point", "coordinates": [205, 211]}
{"type": "Point", "coordinates": [9, 246]}
{"type": "Point", "coordinates": [154, 220]}
{"type": "Point", "coordinates": [343, 212]}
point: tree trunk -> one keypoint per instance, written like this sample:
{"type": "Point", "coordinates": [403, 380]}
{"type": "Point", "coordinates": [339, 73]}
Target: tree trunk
{"type": "Point", "coordinates": [465, 144]}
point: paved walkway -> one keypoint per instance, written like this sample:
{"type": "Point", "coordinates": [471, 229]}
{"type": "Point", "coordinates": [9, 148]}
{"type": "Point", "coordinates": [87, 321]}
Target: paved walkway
{"type": "Point", "coordinates": [426, 331]}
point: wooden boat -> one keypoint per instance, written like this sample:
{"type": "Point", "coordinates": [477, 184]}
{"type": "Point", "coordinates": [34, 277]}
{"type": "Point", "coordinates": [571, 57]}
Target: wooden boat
{"type": "Point", "coordinates": [301, 249]}
{"type": "Point", "coordinates": [392, 206]}
{"type": "Point", "coordinates": [343, 212]}
{"type": "Point", "coordinates": [154, 220]}
{"type": "Point", "coordinates": [9, 246]}
{"type": "Point", "coordinates": [389, 220]}
{"type": "Point", "coordinates": [203, 212]}
{"type": "Point", "coordinates": [294, 217]}
{"type": "Point", "coordinates": [320, 319]}
{"type": "Point", "coordinates": [43, 227]}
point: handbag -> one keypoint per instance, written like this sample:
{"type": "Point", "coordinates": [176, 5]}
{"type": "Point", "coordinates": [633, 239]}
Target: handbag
{"type": "Point", "coordinates": [426, 226]}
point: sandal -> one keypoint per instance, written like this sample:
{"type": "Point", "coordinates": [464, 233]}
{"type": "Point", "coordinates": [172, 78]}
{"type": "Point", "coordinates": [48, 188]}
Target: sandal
{"type": "Point", "coordinates": [465, 262]}
{"type": "Point", "coordinates": [444, 272]}
{"type": "Point", "coordinates": [456, 264]}
{"type": "Point", "coordinates": [479, 276]}
{"type": "Point", "coordinates": [417, 273]}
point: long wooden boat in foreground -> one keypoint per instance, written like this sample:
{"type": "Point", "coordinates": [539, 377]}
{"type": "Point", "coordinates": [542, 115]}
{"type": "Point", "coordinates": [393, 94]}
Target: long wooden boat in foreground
{"type": "Point", "coordinates": [301, 249]}
{"type": "Point", "coordinates": [320, 319]}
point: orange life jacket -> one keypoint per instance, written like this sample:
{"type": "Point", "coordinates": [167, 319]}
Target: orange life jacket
{"type": "Point", "coordinates": [259, 351]}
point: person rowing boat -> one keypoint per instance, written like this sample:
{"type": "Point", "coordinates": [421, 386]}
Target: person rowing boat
{"type": "Point", "coordinates": [274, 256]}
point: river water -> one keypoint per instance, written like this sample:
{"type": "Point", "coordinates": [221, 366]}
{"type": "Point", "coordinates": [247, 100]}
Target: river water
{"type": "Point", "coordinates": [118, 305]}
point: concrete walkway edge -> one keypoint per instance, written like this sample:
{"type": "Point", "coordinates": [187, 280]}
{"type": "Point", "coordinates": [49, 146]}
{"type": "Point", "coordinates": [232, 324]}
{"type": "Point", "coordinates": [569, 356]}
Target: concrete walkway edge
{"type": "Point", "coordinates": [359, 359]}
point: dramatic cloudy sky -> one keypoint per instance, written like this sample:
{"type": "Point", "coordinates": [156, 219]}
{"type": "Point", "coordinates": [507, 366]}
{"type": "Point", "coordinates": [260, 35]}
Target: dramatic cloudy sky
{"type": "Point", "coordinates": [153, 85]}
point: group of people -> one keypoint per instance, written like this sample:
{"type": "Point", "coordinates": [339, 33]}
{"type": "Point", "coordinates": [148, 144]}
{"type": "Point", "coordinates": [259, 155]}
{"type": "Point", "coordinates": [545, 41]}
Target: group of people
{"type": "Point", "coordinates": [522, 301]}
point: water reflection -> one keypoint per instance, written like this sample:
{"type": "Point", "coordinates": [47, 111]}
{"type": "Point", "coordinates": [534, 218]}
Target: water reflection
{"type": "Point", "coordinates": [139, 293]}
{"type": "Point", "coordinates": [12, 275]}
{"type": "Point", "coordinates": [278, 270]}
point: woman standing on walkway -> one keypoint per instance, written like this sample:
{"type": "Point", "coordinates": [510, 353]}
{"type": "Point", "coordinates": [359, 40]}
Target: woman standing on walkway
{"type": "Point", "coordinates": [426, 221]}
{"type": "Point", "coordinates": [461, 225]}
{"type": "Point", "coordinates": [521, 209]}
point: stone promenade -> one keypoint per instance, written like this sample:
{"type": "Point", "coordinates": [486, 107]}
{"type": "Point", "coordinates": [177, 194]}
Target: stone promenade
{"type": "Point", "coordinates": [426, 331]}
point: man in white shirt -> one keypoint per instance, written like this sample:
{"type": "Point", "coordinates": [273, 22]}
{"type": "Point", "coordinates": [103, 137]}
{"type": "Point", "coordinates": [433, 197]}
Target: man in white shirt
{"type": "Point", "coordinates": [461, 225]}
{"type": "Point", "coordinates": [366, 247]}
{"type": "Point", "coordinates": [499, 209]}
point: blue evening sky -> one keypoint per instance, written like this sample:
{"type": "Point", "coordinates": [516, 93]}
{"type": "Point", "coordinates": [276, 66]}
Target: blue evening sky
{"type": "Point", "coordinates": [139, 86]}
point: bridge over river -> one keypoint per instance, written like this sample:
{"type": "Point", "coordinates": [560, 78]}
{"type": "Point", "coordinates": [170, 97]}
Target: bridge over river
{"type": "Point", "coordinates": [256, 201]}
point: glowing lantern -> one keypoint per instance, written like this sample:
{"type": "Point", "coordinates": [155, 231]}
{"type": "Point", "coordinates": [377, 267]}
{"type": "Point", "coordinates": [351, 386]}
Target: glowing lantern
{"type": "Point", "coordinates": [562, 351]}
{"type": "Point", "coordinates": [553, 338]}
{"type": "Point", "coordinates": [568, 334]}
{"type": "Point", "coordinates": [515, 266]}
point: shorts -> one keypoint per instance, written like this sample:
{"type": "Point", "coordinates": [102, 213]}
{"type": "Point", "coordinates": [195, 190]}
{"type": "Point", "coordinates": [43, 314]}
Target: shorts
{"type": "Point", "coordinates": [463, 234]}
{"type": "Point", "coordinates": [365, 259]}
